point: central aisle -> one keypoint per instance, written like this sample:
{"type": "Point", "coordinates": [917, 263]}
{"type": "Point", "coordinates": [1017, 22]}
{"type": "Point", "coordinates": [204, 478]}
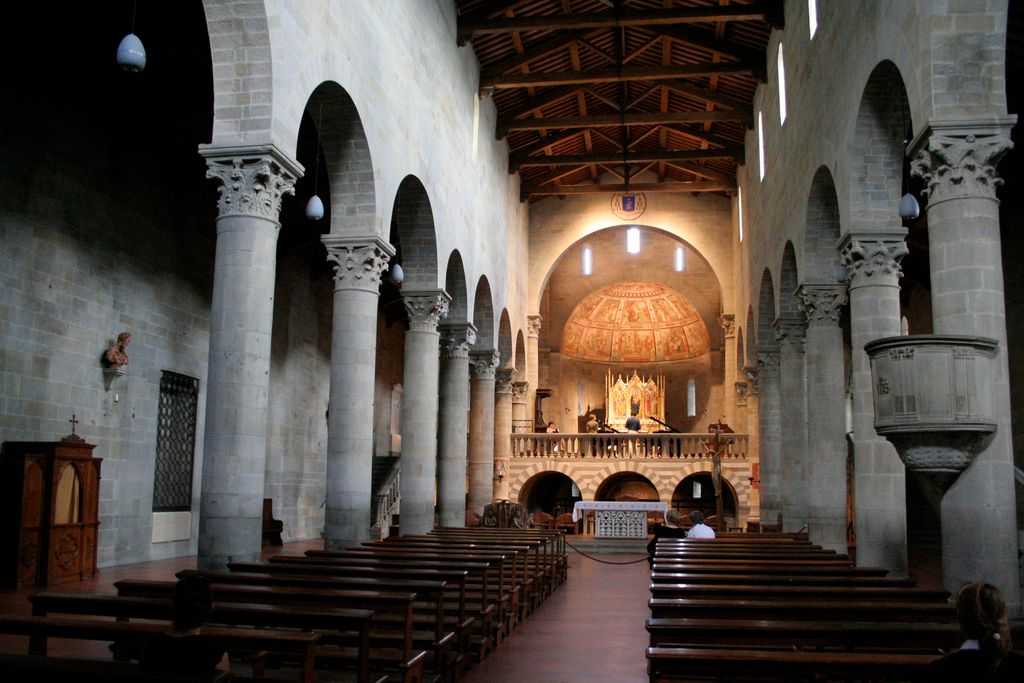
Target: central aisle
{"type": "Point", "coordinates": [590, 629]}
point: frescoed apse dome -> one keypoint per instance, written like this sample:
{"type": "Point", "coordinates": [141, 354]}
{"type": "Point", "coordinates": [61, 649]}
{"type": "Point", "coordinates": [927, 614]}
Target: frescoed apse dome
{"type": "Point", "coordinates": [634, 322]}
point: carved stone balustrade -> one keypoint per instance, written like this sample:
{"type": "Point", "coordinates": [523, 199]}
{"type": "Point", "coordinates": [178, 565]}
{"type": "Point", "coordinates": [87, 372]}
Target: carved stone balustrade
{"type": "Point", "coordinates": [625, 446]}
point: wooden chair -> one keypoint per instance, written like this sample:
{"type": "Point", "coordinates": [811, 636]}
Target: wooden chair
{"type": "Point", "coordinates": [542, 520]}
{"type": "Point", "coordinates": [565, 521]}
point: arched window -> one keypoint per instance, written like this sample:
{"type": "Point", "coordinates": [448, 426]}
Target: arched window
{"type": "Point", "coordinates": [588, 261]}
{"type": "Point", "coordinates": [760, 144]}
{"type": "Point", "coordinates": [691, 398]}
{"type": "Point", "coordinates": [781, 64]}
{"type": "Point", "coordinates": [739, 209]}
{"type": "Point", "coordinates": [812, 16]}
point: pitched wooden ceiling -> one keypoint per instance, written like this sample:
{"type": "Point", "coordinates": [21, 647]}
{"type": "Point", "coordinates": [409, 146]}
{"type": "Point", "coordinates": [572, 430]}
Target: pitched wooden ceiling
{"type": "Point", "coordinates": [596, 95]}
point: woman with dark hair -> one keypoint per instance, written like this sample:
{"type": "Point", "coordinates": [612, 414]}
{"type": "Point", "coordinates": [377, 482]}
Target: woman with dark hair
{"type": "Point", "coordinates": [985, 654]}
{"type": "Point", "coordinates": [184, 647]}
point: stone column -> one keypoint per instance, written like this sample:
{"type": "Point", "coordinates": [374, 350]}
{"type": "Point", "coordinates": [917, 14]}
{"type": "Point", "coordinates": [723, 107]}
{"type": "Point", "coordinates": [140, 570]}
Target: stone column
{"type": "Point", "coordinates": [826, 414]}
{"type": "Point", "coordinates": [793, 493]}
{"type": "Point", "coordinates": [728, 415]}
{"type": "Point", "coordinates": [419, 409]}
{"type": "Point", "coordinates": [770, 428]}
{"type": "Point", "coordinates": [532, 365]}
{"type": "Point", "coordinates": [456, 338]}
{"type": "Point", "coordinates": [872, 260]}
{"type": "Point", "coordinates": [253, 181]}
{"type": "Point", "coordinates": [359, 263]}
{"type": "Point", "coordinates": [502, 429]}
{"type": "Point", "coordinates": [521, 424]}
{"type": "Point", "coordinates": [482, 364]}
{"type": "Point", "coordinates": [958, 163]}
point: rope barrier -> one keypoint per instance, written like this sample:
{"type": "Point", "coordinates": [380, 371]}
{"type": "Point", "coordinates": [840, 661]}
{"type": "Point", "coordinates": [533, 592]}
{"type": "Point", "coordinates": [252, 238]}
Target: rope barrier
{"type": "Point", "coordinates": [597, 559]}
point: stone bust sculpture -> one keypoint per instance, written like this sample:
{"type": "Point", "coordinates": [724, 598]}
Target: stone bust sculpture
{"type": "Point", "coordinates": [117, 356]}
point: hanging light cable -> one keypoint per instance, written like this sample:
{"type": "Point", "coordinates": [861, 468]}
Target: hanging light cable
{"type": "Point", "coordinates": [131, 55]}
{"type": "Point", "coordinates": [315, 207]}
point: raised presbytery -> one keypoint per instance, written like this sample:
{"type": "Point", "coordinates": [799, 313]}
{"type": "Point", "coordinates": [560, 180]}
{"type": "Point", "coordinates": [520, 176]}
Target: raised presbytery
{"type": "Point", "coordinates": [372, 267]}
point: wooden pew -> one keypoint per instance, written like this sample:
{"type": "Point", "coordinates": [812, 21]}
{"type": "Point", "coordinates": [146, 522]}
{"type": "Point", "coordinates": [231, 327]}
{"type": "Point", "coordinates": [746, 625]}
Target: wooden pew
{"type": "Point", "coordinates": [796, 592]}
{"type": "Point", "coordinates": [852, 609]}
{"type": "Point", "coordinates": [398, 606]}
{"type": "Point", "coordinates": [710, 567]}
{"type": "Point", "coordinates": [553, 544]}
{"type": "Point", "coordinates": [345, 630]}
{"type": "Point", "coordinates": [781, 579]}
{"type": "Point", "coordinates": [687, 663]}
{"type": "Point", "coordinates": [437, 639]}
{"type": "Point", "coordinates": [75, 670]}
{"type": "Point", "coordinates": [133, 636]}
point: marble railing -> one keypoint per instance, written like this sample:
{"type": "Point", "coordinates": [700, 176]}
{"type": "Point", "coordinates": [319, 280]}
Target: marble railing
{"type": "Point", "coordinates": [633, 446]}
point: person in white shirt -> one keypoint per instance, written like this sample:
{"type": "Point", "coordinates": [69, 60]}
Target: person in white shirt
{"type": "Point", "coordinates": [699, 528]}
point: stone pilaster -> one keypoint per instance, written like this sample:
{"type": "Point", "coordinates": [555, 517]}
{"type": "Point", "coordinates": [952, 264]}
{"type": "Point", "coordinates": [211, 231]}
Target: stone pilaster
{"type": "Point", "coordinates": [358, 265]}
{"type": "Point", "coordinates": [453, 422]}
{"type": "Point", "coordinates": [419, 408]}
{"type": "Point", "coordinates": [770, 428]}
{"type": "Point", "coordinates": [872, 261]}
{"type": "Point", "coordinates": [482, 364]}
{"type": "Point", "coordinates": [253, 181]}
{"type": "Point", "coordinates": [533, 323]}
{"type": "Point", "coordinates": [728, 322]}
{"type": "Point", "coordinates": [793, 399]}
{"type": "Point", "coordinates": [503, 381]}
{"type": "Point", "coordinates": [957, 160]}
{"type": "Point", "coordinates": [826, 414]}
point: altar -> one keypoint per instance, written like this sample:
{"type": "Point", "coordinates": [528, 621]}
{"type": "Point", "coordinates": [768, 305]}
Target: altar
{"type": "Point", "coordinates": [618, 519]}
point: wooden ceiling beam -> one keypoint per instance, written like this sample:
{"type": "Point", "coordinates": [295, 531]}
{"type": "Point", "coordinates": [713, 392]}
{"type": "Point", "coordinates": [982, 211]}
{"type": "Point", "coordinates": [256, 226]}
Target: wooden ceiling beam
{"type": "Point", "coordinates": [691, 36]}
{"type": "Point", "coordinates": [644, 119]}
{"type": "Point", "coordinates": [701, 186]}
{"type": "Point", "coordinates": [546, 98]}
{"type": "Point", "coordinates": [701, 136]}
{"type": "Point", "coordinates": [704, 94]}
{"type": "Point", "coordinates": [611, 75]}
{"type": "Point", "coordinates": [473, 26]}
{"type": "Point", "coordinates": [702, 171]}
{"type": "Point", "coordinates": [518, 162]}
{"type": "Point", "coordinates": [558, 41]}
{"type": "Point", "coordinates": [548, 142]}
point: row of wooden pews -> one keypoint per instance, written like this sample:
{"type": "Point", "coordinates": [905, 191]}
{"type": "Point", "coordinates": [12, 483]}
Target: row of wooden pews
{"type": "Point", "coordinates": [410, 609]}
{"type": "Point", "coordinates": [776, 607]}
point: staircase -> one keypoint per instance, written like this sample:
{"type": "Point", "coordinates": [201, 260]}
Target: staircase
{"type": "Point", "coordinates": [387, 485]}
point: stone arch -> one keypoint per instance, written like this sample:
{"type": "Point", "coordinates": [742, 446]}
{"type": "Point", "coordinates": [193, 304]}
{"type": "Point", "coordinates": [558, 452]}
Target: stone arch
{"type": "Point", "coordinates": [505, 350]}
{"type": "Point", "coordinates": [240, 46]}
{"type": "Point", "coordinates": [877, 151]}
{"type": "Point", "coordinates": [521, 478]}
{"type": "Point", "coordinates": [520, 357]}
{"type": "Point", "coordinates": [455, 285]}
{"type": "Point", "coordinates": [483, 314]}
{"type": "Point", "coordinates": [344, 180]}
{"type": "Point", "coordinates": [588, 489]}
{"type": "Point", "coordinates": [789, 280]}
{"type": "Point", "coordinates": [740, 486]}
{"type": "Point", "coordinates": [412, 221]}
{"type": "Point", "coordinates": [766, 313]}
{"type": "Point", "coordinates": [821, 259]}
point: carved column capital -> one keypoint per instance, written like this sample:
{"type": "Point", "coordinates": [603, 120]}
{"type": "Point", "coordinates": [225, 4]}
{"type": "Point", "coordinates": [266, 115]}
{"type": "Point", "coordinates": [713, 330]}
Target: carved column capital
{"type": "Point", "coordinates": [253, 179]}
{"type": "Point", "coordinates": [456, 338]}
{"type": "Point", "coordinates": [790, 333]}
{"type": "Point", "coordinates": [873, 258]}
{"type": "Point", "coordinates": [533, 325]}
{"type": "Point", "coordinates": [503, 379]}
{"type": "Point", "coordinates": [728, 322]}
{"type": "Point", "coordinates": [958, 159]}
{"type": "Point", "coordinates": [358, 261]}
{"type": "Point", "coordinates": [483, 363]}
{"type": "Point", "coordinates": [742, 391]}
{"type": "Point", "coordinates": [425, 308]}
{"type": "Point", "coordinates": [519, 391]}
{"type": "Point", "coordinates": [822, 303]}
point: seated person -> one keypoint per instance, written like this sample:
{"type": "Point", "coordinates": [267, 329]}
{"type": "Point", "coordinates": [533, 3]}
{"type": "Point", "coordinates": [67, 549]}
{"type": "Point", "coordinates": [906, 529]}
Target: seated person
{"type": "Point", "coordinates": [985, 653]}
{"type": "Point", "coordinates": [670, 529]}
{"type": "Point", "coordinates": [184, 647]}
{"type": "Point", "coordinates": [699, 528]}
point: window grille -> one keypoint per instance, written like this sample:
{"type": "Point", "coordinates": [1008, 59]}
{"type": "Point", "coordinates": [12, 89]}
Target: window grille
{"type": "Point", "coordinates": [175, 442]}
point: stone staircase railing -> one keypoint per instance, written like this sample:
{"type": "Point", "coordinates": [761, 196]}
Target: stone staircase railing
{"type": "Point", "coordinates": [630, 446]}
{"type": "Point", "coordinates": [388, 502]}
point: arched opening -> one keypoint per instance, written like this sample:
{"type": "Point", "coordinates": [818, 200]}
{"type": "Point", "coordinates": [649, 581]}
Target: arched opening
{"type": "Point", "coordinates": [697, 493]}
{"type": "Point", "coordinates": [627, 486]}
{"type": "Point", "coordinates": [550, 492]}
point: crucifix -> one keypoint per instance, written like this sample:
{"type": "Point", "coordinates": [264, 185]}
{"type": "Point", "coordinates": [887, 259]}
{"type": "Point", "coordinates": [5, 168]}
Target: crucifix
{"type": "Point", "coordinates": [714, 448]}
{"type": "Point", "coordinates": [74, 423]}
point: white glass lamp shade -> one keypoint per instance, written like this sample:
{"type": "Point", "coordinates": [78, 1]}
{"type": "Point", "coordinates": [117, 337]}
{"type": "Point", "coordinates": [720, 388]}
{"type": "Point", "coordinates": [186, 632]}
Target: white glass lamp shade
{"type": "Point", "coordinates": [909, 208]}
{"type": "Point", "coordinates": [397, 274]}
{"type": "Point", "coordinates": [131, 56]}
{"type": "Point", "coordinates": [314, 208]}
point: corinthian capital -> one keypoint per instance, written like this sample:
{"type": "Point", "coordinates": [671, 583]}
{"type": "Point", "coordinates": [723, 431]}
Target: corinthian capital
{"type": "Point", "coordinates": [728, 321]}
{"type": "Point", "coordinates": [533, 325]}
{"type": "Point", "coordinates": [358, 261]}
{"type": "Point", "coordinates": [873, 258]}
{"type": "Point", "coordinates": [425, 309]}
{"type": "Point", "coordinates": [252, 179]}
{"type": "Point", "coordinates": [822, 303]}
{"type": "Point", "coordinates": [503, 380]}
{"type": "Point", "coordinates": [520, 391]}
{"type": "Point", "coordinates": [456, 338]}
{"type": "Point", "coordinates": [959, 159]}
{"type": "Point", "coordinates": [482, 363]}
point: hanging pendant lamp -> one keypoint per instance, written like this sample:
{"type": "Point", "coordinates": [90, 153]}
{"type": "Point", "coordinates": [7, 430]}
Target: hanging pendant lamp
{"type": "Point", "coordinates": [131, 55]}
{"type": "Point", "coordinates": [315, 207]}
